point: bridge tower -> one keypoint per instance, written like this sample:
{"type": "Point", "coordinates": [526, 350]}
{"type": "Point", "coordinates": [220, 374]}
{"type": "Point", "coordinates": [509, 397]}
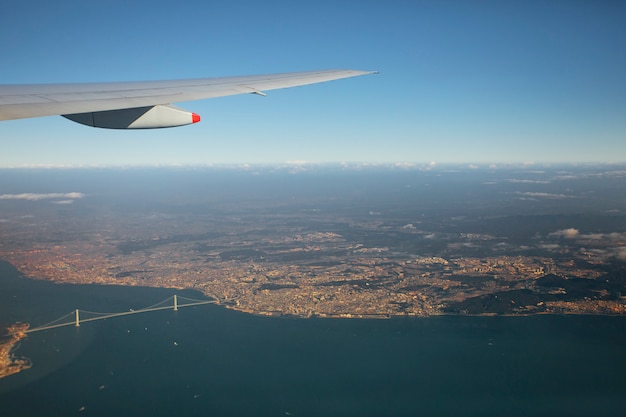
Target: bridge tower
{"type": "Point", "coordinates": [77, 319]}
{"type": "Point", "coordinates": [175, 303]}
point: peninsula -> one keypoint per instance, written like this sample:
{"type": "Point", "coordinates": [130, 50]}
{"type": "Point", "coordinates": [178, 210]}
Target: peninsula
{"type": "Point", "coordinates": [10, 337]}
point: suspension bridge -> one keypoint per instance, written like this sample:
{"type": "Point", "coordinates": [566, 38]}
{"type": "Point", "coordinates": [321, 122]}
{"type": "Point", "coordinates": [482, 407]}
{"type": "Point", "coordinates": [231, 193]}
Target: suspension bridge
{"type": "Point", "coordinates": [77, 317]}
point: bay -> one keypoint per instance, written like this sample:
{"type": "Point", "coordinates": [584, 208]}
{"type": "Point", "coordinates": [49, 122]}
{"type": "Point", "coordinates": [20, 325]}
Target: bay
{"type": "Point", "coordinates": [211, 361]}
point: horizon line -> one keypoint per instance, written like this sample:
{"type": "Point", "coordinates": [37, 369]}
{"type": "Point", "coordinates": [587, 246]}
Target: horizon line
{"type": "Point", "coordinates": [305, 165]}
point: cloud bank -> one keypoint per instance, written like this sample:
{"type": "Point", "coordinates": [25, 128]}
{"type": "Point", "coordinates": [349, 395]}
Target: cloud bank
{"type": "Point", "coordinates": [37, 197]}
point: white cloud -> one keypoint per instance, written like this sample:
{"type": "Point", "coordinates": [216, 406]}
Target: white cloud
{"type": "Point", "coordinates": [405, 165]}
{"type": "Point", "coordinates": [567, 233]}
{"type": "Point", "coordinates": [550, 246]}
{"type": "Point", "coordinates": [520, 181]}
{"type": "Point", "coordinates": [37, 197]}
{"type": "Point", "coordinates": [543, 195]}
{"type": "Point", "coordinates": [603, 237]}
{"type": "Point", "coordinates": [593, 236]}
{"type": "Point", "coordinates": [621, 253]}
{"type": "Point", "coordinates": [426, 167]}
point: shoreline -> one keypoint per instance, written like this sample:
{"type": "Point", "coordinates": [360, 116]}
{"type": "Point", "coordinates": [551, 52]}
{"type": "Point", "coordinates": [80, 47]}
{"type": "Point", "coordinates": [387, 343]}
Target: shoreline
{"type": "Point", "coordinates": [361, 316]}
{"type": "Point", "coordinates": [10, 337]}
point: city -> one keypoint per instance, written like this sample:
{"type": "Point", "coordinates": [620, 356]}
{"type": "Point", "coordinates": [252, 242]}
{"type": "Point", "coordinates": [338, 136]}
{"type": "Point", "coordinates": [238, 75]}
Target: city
{"type": "Point", "coordinates": [307, 263]}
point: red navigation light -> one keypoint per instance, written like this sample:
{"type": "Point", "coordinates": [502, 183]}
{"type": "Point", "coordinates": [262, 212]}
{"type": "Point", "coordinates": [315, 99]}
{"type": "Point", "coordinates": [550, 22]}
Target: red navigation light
{"type": "Point", "coordinates": [195, 118]}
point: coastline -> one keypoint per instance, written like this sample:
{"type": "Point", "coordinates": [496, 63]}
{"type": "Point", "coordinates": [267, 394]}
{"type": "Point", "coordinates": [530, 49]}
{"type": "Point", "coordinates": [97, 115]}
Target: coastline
{"type": "Point", "coordinates": [10, 337]}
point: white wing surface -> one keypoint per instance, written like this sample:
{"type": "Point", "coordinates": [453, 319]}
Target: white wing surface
{"type": "Point", "coordinates": [142, 104]}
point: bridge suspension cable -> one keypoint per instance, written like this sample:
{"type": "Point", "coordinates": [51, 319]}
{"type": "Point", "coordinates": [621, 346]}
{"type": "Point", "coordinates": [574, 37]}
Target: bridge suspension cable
{"type": "Point", "coordinates": [52, 323]}
{"type": "Point", "coordinates": [188, 302]}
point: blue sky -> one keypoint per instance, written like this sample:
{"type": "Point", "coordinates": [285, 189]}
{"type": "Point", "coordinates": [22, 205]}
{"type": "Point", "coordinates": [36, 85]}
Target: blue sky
{"type": "Point", "coordinates": [460, 81]}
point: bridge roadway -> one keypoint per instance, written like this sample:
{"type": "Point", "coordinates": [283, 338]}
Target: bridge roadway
{"type": "Point", "coordinates": [101, 316]}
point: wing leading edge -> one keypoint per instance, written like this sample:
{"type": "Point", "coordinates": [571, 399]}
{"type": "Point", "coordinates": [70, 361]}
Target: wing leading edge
{"type": "Point", "coordinates": [142, 104]}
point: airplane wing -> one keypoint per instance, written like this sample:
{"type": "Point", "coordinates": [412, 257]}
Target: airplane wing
{"type": "Point", "coordinates": [142, 104]}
